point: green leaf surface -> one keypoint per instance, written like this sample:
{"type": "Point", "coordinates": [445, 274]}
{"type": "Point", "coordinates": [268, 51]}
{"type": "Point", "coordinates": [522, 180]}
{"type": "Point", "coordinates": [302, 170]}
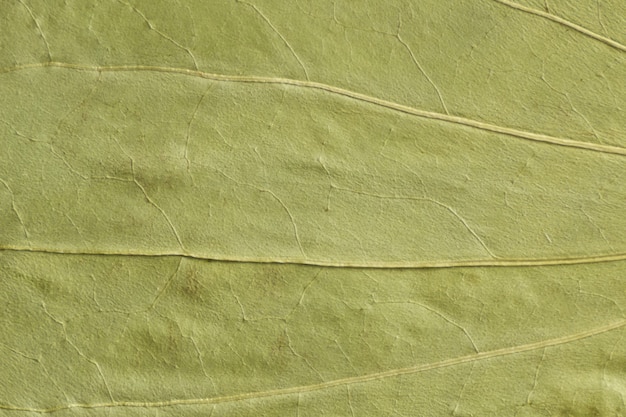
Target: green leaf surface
{"type": "Point", "coordinates": [313, 208]}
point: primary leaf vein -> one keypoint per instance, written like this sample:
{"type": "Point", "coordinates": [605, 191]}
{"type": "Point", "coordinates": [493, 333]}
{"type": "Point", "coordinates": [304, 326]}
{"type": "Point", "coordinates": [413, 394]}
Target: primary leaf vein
{"type": "Point", "coordinates": [507, 351]}
{"type": "Point", "coordinates": [425, 114]}
{"type": "Point", "coordinates": [382, 264]}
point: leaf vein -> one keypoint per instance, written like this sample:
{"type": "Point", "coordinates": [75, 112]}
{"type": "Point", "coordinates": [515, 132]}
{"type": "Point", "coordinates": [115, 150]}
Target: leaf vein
{"type": "Point", "coordinates": [580, 29]}
{"type": "Point", "coordinates": [507, 351]}
{"type": "Point", "coordinates": [425, 114]}
{"type": "Point", "coordinates": [382, 264]}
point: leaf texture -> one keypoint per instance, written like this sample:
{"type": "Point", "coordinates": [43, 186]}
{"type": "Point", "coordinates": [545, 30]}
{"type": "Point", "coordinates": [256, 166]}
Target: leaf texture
{"type": "Point", "coordinates": [313, 208]}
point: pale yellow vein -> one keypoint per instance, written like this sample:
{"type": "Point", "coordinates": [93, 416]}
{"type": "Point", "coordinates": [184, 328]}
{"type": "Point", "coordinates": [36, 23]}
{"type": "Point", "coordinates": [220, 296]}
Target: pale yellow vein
{"type": "Point", "coordinates": [521, 134]}
{"type": "Point", "coordinates": [381, 264]}
{"type": "Point", "coordinates": [543, 344]}
{"type": "Point", "coordinates": [608, 41]}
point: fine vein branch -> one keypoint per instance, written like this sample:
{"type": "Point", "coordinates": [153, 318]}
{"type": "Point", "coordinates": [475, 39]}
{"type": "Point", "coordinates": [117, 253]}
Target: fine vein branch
{"type": "Point", "coordinates": [543, 344]}
{"type": "Point", "coordinates": [521, 134]}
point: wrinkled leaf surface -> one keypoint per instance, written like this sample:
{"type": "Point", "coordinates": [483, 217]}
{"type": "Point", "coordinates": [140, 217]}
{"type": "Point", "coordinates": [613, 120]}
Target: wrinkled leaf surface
{"type": "Point", "coordinates": [312, 208]}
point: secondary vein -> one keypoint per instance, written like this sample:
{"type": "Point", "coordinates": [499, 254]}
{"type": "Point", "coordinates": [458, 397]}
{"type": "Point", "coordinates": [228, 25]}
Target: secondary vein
{"type": "Point", "coordinates": [252, 79]}
{"type": "Point", "coordinates": [381, 264]}
{"type": "Point", "coordinates": [529, 347]}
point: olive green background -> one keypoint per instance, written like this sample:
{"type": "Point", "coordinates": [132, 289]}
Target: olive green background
{"type": "Point", "coordinates": [319, 208]}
